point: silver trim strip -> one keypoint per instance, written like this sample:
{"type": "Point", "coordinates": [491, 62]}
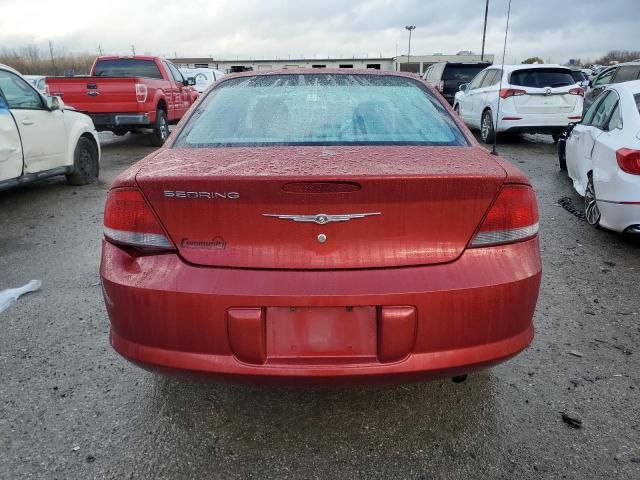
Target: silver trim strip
{"type": "Point", "coordinates": [321, 218]}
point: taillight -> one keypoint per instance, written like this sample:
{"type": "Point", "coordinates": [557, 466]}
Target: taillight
{"type": "Point", "coordinates": [141, 92]}
{"type": "Point", "coordinates": [511, 92]}
{"type": "Point", "coordinates": [629, 160]}
{"type": "Point", "coordinates": [513, 217]}
{"type": "Point", "coordinates": [129, 220]}
{"type": "Point", "coordinates": [577, 91]}
{"type": "Point", "coordinates": [440, 86]}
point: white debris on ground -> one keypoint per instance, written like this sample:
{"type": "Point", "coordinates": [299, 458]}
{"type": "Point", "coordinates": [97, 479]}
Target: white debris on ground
{"type": "Point", "coordinates": [10, 296]}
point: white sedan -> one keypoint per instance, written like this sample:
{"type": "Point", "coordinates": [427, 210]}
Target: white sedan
{"type": "Point", "coordinates": [602, 157]}
{"type": "Point", "coordinates": [39, 138]}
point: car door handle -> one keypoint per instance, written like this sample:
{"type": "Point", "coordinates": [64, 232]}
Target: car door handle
{"type": "Point", "coordinates": [27, 121]}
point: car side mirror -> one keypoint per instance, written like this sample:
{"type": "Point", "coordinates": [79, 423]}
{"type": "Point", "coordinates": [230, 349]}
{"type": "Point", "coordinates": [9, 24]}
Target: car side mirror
{"type": "Point", "coordinates": [190, 82]}
{"type": "Point", "coordinates": [54, 103]}
{"type": "Point", "coordinates": [463, 87]}
{"type": "Point", "coordinates": [585, 83]}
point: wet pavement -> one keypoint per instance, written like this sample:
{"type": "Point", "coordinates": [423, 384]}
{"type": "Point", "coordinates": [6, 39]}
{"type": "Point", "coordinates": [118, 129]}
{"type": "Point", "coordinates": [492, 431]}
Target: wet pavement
{"type": "Point", "coordinates": [72, 408]}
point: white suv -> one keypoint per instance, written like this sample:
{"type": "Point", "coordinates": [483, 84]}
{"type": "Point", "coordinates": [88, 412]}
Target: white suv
{"type": "Point", "coordinates": [532, 99]}
{"type": "Point", "coordinates": [40, 138]}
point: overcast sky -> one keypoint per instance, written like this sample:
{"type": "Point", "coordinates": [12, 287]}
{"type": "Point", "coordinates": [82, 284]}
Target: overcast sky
{"type": "Point", "coordinates": [555, 30]}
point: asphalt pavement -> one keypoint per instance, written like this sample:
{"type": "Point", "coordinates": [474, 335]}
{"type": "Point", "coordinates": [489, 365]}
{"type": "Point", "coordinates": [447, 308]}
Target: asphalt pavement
{"type": "Point", "coordinates": [71, 408]}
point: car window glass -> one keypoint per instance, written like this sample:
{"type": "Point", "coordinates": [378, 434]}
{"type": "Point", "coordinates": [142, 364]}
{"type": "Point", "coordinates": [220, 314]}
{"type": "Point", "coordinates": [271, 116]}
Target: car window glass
{"type": "Point", "coordinates": [603, 112]}
{"type": "Point", "coordinates": [605, 78]}
{"type": "Point", "coordinates": [489, 78]}
{"type": "Point", "coordinates": [461, 73]}
{"type": "Point", "coordinates": [626, 73]}
{"type": "Point", "coordinates": [475, 83]}
{"type": "Point", "coordinates": [588, 116]}
{"type": "Point", "coordinates": [542, 77]}
{"type": "Point", "coordinates": [18, 93]}
{"type": "Point", "coordinates": [320, 110]}
{"type": "Point", "coordinates": [127, 67]}
{"type": "Point", "coordinates": [175, 73]}
{"type": "Point", "coordinates": [616, 120]}
{"type": "Point", "coordinates": [636, 97]}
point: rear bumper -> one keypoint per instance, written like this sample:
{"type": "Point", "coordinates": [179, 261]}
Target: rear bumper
{"type": "Point", "coordinates": [619, 216]}
{"type": "Point", "coordinates": [472, 313]}
{"type": "Point", "coordinates": [108, 121]}
{"type": "Point", "coordinates": [529, 123]}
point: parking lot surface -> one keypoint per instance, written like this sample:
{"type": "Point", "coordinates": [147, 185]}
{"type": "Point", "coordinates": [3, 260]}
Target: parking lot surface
{"type": "Point", "coordinates": [70, 407]}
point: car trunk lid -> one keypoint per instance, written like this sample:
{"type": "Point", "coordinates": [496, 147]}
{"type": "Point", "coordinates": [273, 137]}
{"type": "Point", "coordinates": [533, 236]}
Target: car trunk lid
{"type": "Point", "coordinates": [285, 207]}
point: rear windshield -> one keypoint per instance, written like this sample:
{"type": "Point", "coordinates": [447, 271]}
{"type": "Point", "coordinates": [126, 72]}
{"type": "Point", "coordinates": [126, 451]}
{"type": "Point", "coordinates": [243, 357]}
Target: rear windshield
{"type": "Point", "coordinates": [317, 109]}
{"type": "Point", "coordinates": [577, 76]}
{"type": "Point", "coordinates": [637, 99]}
{"type": "Point", "coordinates": [542, 77]}
{"type": "Point", "coordinates": [127, 67]}
{"type": "Point", "coordinates": [462, 73]}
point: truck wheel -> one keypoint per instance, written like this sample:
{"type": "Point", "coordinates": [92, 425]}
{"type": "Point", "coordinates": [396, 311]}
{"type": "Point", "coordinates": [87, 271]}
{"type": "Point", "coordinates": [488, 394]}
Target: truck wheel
{"type": "Point", "coordinates": [86, 166]}
{"type": "Point", "coordinates": [120, 132]}
{"type": "Point", "coordinates": [160, 129]}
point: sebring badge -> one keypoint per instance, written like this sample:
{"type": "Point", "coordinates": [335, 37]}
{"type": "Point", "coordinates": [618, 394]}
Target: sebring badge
{"type": "Point", "coordinates": [322, 218]}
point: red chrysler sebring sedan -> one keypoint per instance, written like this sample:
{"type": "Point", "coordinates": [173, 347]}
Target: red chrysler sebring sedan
{"type": "Point", "coordinates": [331, 227]}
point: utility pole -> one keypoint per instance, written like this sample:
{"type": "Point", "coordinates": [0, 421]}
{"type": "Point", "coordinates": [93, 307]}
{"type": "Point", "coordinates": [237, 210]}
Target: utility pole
{"type": "Point", "coordinates": [411, 28]}
{"type": "Point", "coordinates": [100, 49]}
{"type": "Point", "coordinates": [484, 31]}
{"type": "Point", "coordinates": [53, 63]}
{"type": "Point", "coordinates": [133, 50]}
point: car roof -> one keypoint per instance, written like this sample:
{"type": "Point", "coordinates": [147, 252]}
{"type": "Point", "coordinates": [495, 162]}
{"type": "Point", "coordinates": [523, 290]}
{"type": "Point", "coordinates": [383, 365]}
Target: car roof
{"type": "Point", "coordinates": [526, 66]}
{"type": "Point", "coordinates": [632, 87]}
{"type": "Point", "coordinates": [484, 62]}
{"type": "Point", "coordinates": [324, 71]}
{"type": "Point", "coordinates": [8, 68]}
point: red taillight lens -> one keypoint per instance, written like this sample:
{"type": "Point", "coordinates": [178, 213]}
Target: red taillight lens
{"type": "Point", "coordinates": [141, 92]}
{"type": "Point", "coordinates": [129, 220]}
{"type": "Point", "coordinates": [629, 160]}
{"type": "Point", "coordinates": [577, 91]}
{"type": "Point", "coordinates": [513, 217]}
{"type": "Point", "coordinates": [511, 92]}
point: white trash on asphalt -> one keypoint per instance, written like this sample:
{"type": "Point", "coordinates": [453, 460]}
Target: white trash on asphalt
{"type": "Point", "coordinates": [10, 296]}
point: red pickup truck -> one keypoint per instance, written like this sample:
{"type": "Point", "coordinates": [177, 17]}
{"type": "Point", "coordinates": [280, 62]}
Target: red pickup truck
{"type": "Point", "coordinates": [129, 94]}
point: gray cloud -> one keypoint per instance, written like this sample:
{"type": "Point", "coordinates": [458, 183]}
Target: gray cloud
{"type": "Point", "coordinates": [555, 30]}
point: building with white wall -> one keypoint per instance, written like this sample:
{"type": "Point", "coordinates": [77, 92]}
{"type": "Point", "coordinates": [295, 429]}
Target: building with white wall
{"type": "Point", "coordinates": [417, 63]}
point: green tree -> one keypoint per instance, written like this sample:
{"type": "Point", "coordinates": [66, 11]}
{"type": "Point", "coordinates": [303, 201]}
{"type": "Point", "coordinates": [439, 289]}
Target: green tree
{"type": "Point", "coordinates": [533, 60]}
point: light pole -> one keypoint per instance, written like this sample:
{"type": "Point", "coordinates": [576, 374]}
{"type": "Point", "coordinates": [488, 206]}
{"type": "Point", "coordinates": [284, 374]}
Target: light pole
{"type": "Point", "coordinates": [411, 28]}
{"type": "Point", "coordinates": [484, 31]}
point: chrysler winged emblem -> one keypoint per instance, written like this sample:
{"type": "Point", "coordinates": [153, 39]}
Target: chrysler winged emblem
{"type": "Point", "coordinates": [321, 218]}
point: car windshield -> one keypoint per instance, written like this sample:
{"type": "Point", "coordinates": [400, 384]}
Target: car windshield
{"type": "Point", "coordinates": [462, 73]}
{"type": "Point", "coordinates": [127, 67]}
{"type": "Point", "coordinates": [312, 109]}
{"type": "Point", "coordinates": [542, 77]}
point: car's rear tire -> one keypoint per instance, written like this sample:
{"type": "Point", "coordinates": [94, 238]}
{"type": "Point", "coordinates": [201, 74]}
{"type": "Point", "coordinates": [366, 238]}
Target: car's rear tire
{"type": "Point", "coordinates": [591, 211]}
{"type": "Point", "coordinates": [160, 129]}
{"type": "Point", "coordinates": [487, 132]}
{"type": "Point", "coordinates": [120, 132]}
{"type": "Point", "coordinates": [556, 137]}
{"type": "Point", "coordinates": [86, 164]}
{"type": "Point", "coordinates": [562, 154]}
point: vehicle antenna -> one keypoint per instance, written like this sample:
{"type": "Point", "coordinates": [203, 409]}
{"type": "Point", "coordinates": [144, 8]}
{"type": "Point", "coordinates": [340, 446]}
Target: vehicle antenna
{"type": "Point", "coordinates": [504, 51]}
